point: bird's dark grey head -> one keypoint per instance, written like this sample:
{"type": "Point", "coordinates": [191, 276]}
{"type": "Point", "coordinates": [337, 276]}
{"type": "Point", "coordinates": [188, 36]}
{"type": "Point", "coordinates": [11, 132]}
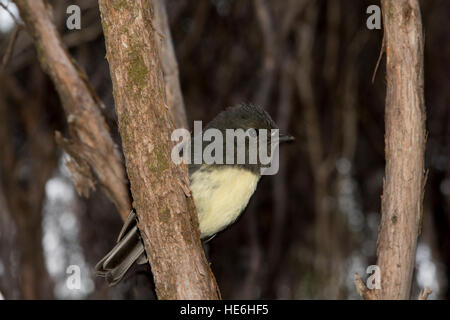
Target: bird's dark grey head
{"type": "Point", "coordinates": [244, 116]}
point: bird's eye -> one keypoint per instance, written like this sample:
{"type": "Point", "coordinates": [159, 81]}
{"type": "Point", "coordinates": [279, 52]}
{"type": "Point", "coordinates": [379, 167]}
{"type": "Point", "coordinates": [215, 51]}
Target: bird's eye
{"type": "Point", "coordinates": [252, 133]}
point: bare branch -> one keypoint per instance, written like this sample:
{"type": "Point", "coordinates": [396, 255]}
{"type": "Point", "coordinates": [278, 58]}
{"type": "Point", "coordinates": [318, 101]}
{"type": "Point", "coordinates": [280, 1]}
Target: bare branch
{"type": "Point", "coordinates": [95, 148]}
{"type": "Point", "coordinates": [363, 291]}
{"type": "Point", "coordinates": [424, 294]}
{"type": "Point", "coordinates": [380, 56]}
{"type": "Point", "coordinates": [10, 47]}
{"type": "Point", "coordinates": [17, 22]}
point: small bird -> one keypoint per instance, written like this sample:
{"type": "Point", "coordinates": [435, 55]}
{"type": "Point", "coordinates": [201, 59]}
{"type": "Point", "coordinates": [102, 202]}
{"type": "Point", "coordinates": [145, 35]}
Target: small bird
{"type": "Point", "coordinates": [221, 192]}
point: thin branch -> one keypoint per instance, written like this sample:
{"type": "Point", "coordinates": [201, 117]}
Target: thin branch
{"type": "Point", "coordinates": [380, 56]}
{"type": "Point", "coordinates": [10, 47]}
{"type": "Point", "coordinates": [424, 294]}
{"type": "Point", "coordinates": [17, 22]}
{"type": "Point", "coordinates": [363, 291]}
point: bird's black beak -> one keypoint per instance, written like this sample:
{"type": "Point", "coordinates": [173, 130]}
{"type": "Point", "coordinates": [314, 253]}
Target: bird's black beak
{"type": "Point", "coordinates": [286, 138]}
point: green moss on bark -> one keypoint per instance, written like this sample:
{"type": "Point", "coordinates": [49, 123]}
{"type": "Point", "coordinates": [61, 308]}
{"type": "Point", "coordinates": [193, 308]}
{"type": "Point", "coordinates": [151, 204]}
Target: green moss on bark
{"type": "Point", "coordinates": [120, 4]}
{"type": "Point", "coordinates": [164, 215]}
{"type": "Point", "coordinates": [159, 161]}
{"type": "Point", "coordinates": [137, 70]}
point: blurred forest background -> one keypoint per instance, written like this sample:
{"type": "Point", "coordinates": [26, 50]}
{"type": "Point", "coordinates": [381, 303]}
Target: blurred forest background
{"type": "Point", "coordinates": [308, 229]}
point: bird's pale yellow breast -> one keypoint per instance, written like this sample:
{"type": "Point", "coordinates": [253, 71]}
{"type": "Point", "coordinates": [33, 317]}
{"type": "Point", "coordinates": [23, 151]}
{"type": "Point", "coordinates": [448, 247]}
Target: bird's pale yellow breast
{"type": "Point", "coordinates": [220, 195]}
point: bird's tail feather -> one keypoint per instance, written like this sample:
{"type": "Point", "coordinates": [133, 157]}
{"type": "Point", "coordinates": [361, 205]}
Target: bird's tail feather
{"type": "Point", "coordinates": [129, 249]}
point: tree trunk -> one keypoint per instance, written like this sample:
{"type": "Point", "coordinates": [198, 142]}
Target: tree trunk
{"type": "Point", "coordinates": [405, 147]}
{"type": "Point", "coordinates": [160, 189]}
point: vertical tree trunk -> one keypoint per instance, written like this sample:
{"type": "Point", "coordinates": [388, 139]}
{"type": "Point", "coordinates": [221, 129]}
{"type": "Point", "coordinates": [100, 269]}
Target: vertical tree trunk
{"type": "Point", "coordinates": [405, 148]}
{"type": "Point", "coordinates": [163, 202]}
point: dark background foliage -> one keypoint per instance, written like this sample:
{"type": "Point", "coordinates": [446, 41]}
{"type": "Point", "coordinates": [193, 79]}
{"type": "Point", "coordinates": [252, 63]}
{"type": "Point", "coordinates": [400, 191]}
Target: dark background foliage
{"type": "Point", "coordinates": [308, 229]}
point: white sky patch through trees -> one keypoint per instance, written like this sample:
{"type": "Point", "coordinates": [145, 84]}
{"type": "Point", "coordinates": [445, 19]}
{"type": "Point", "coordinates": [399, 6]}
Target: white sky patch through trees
{"type": "Point", "coordinates": [6, 22]}
{"type": "Point", "coordinates": [427, 273]}
{"type": "Point", "coordinates": [61, 236]}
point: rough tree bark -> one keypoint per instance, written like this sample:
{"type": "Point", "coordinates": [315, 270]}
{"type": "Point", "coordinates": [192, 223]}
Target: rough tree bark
{"type": "Point", "coordinates": [405, 147]}
{"type": "Point", "coordinates": [160, 189]}
{"type": "Point", "coordinates": [94, 155]}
